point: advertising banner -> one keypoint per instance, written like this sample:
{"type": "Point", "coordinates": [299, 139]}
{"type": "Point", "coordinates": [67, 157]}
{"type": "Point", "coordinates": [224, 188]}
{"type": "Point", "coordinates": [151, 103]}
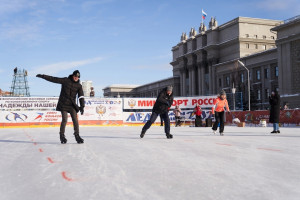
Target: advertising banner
{"type": "Point", "coordinates": [28, 103]}
{"type": "Point", "coordinates": [182, 102]}
{"type": "Point", "coordinates": [95, 109]}
{"type": "Point", "coordinates": [102, 109]}
{"type": "Point", "coordinates": [143, 117]}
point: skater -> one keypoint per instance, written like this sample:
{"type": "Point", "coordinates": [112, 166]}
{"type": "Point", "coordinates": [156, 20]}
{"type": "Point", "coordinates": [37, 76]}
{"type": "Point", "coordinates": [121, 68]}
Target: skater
{"type": "Point", "coordinates": [274, 101]}
{"type": "Point", "coordinates": [218, 111]}
{"type": "Point", "coordinates": [177, 113]}
{"type": "Point", "coordinates": [198, 112]}
{"type": "Point", "coordinates": [161, 107]}
{"type": "Point", "coordinates": [66, 103]}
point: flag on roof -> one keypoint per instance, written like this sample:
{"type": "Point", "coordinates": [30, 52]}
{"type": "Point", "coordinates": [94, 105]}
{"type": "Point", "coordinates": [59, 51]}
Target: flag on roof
{"type": "Point", "coordinates": [203, 14]}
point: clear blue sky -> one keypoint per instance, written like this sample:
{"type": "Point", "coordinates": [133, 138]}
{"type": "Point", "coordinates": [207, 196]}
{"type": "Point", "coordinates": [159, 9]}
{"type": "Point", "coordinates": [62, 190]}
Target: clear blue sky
{"type": "Point", "coordinates": [108, 41]}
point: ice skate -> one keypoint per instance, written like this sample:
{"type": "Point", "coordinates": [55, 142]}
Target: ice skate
{"type": "Point", "coordinates": [222, 134]}
{"type": "Point", "coordinates": [214, 132]}
{"type": "Point", "coordinates": [142, 134]}
{"type": "Point", "coordinates": [79, 140]}
{"type": "Point", "coordinates": [63, 139]}
{"type": "Point", "coordinates": [169, 136]}
{"type": "Point", "coordinates": [278, 131]}
{"type": "Point", "coordinates": [274, 132]}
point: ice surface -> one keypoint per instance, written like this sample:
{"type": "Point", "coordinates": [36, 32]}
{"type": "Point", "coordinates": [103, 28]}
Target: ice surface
{"type": "Point", "coordinates": [114, 163]}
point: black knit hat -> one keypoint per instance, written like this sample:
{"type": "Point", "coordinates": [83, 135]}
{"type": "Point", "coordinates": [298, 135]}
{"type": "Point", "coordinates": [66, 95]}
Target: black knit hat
{"type": "Point", "coordinates": [76, 73]}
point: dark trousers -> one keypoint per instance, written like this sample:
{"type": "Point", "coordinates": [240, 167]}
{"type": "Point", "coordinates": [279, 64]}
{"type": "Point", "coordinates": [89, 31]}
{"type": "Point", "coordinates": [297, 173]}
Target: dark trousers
{"type": "Point", "coordinates": [219, 119]}
{"type": "Point", "coordinates": [64, 115]}
{"type": "Point", "coordinates": [164, 117]}
{"type": "Point", "coordinates": [198, 121]}
{"type": "Point", "coordinates": [177, 121]}
{"type": "Point", "coordinates": [161, 121]}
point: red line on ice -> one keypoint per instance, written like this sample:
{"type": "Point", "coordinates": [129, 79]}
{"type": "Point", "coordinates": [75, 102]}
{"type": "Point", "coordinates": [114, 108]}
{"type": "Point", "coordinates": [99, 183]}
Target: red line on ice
{"type": "Point", "coordinates": [224, 144]}
{"type": "Point", "coordinates": [65, 176]}
{"type": "Point", "coordinates": [50, 160]}
{"type": "Point", "coordinates": [268, 149]}
{"type": "Point", "coordinates": [34, 143]}
{"type": "Point", "coordinates": [41, 150]}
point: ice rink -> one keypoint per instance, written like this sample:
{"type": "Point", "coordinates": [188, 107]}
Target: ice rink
{"type": "Point", "coordinates": [114, 163]}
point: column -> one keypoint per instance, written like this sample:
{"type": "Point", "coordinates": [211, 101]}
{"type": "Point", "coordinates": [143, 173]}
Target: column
{"type": "Point", "coordinates": [210, 79]}
{"type": "Point", "coordinates": [203, 80]}
{"type": "Point", "coordinates": [190, 81]}
{"type": "Point", "coordinates": [180, 84]}
{"type": "Point", "coordinates": [199, 80]}
{"type": "Point", "coordinates": [183, 83]}
{"type": "Point", "coordinates": [193, 81]}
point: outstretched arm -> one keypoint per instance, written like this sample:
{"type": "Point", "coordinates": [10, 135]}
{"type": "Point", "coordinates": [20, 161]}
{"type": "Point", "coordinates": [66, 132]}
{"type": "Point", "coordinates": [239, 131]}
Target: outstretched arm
{"type": "Point", "coordinates": [51, 78]}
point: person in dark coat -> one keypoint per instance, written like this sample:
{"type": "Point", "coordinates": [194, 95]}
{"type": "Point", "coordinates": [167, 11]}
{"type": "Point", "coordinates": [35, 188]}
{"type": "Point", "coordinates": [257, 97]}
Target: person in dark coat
{"type": "Point", "coordinates": [274, 101]}
{"type": "Point", "coordinates": [70, 88]}
{"type": "Point", "coordinates": [161, 107]}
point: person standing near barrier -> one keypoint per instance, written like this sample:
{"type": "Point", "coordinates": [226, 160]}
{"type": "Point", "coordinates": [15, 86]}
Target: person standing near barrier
{"type": "Point", "coordinates": [198, 113]}
{"type": "Point", "coordinates": [161, 107]}
{"type": "Point", "coordinates": [274, 101]}
{"type": "Point", "coordinates": [70, 88]}
{"type": "Point", "coordinates": [177, 113]}
{"type": "Point", "coordinates": [218, 110]}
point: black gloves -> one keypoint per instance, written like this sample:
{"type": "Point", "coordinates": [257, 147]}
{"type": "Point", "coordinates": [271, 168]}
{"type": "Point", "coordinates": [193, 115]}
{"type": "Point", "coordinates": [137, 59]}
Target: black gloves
{"type": "Point", "coordinates": [40, 75]}
{"type": "Point", "coordinates": [81, 109]}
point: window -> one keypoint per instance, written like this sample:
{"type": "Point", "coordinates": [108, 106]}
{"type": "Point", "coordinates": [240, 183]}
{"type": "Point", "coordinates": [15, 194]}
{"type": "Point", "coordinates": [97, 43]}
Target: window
{"type": "Point", "coordinates": [247, 46]}
{"type": "Point", "coordinates": [220, 82]}
{"type": "Point", "coordinates": [264, 47]}
{"type": "Point", "coordinates": [256, 46]}
{"type": "Point", "coordinates": [267, 93]}
{"type": "Point", "coordinates": [242, 78]}
{"type": "Point", "coordinates": [276, 71]}
{"type": "Point", "coordinates": [257, 74]}
{"type": "Point", "coordinates": [247, 35]}
{"type": "Point", "coordinates": [256, 36]}
{"type": "Point", "coordinates": [264, 37]}
{"type": "Point", "coordinates": [272, 37]}
{"type": "Point", "coordinates": [267, 73]}
{"type": "Point", "coordinates": [258, 95]}
{"type": "Point", "coordinates": [227, 81]}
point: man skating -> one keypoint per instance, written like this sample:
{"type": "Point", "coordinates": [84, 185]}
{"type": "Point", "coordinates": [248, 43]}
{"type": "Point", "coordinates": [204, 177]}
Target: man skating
{"type": "Point", "coordinates": [219, 112]}
{"type": "Point", "coordinates": [161, 107]}
{"type": "Point", "coordinates": [70, 88]}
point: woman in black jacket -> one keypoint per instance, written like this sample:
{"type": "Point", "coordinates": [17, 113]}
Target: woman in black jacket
{"type": "Point", "coordinates": [70, 88]}
{"type": "Point", "coordinates": [274, 101]}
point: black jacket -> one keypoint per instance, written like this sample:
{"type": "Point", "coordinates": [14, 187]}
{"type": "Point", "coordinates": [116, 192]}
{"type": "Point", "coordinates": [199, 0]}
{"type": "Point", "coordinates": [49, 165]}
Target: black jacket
{"type": "Point", "coordinates": [163, 102]}
{"type": "Point", "coordinates": [275, 108]}
{"type": "Point", "coordinates": [68, 93]}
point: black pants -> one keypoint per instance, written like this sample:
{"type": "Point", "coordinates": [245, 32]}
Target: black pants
{"type": "Point", "coordinates": [177, 121]}
{"type": "Point", "coordinates": [219, 119]}
{"type": "Point", "coordinates": [64, 115]}
{"type": "Point", "coordinates": [161, 121]}
{"type": "Point", "coordinates": [198, 121]}
{"type": "Point", "coordinates": [164, 117]}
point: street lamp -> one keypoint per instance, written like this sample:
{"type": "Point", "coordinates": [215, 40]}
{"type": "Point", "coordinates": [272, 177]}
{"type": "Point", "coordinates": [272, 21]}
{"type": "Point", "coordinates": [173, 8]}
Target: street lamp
{"type": "Point", "coordinates": [233, 92]}
{"type": "Point", "coordinates": [248, 81]}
